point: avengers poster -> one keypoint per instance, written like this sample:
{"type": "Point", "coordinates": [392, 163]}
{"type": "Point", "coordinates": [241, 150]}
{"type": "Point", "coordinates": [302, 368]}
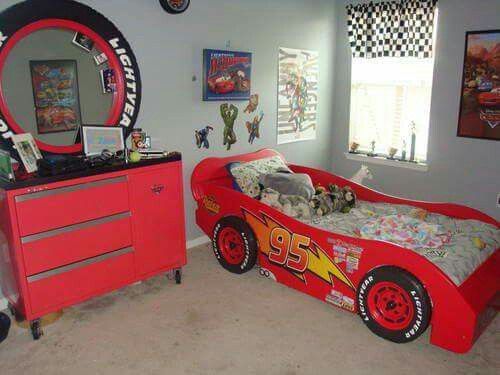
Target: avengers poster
{"type": "Point", "coordinates": [55, 91]}
{"type": "Point", "coordinates": [297, 95]}
{"type": "Point", "coordinates": [227, 75]}
{"type": "Point", "coordinates": [480, 101]}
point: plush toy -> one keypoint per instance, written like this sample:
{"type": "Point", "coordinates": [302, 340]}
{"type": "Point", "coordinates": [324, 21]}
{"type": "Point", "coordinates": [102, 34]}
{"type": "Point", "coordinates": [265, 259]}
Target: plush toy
{"type": "Point", "coordinates": [291, 205]}
{"type": "Point", "coordinates": [322, 203]}
{"type": "Point", "coordinates": [348, 199]}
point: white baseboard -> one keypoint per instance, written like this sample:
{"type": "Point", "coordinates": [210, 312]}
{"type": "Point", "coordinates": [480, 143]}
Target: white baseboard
{"type": "Point", "coordinates": [197, 242]}
{"type": "Point", "coordinates": [3, 304]}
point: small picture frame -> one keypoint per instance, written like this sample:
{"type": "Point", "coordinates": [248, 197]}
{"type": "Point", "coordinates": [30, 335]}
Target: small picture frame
{"type": "Point", "coordinates": [83, 41]}
{"type": "Point", "coordinates": [97, 138]}
{"type": "Point", "coordinates": [100, 59]}
{"type": "Point", "coordinates": [28, 151]}
{"type": "Point", "coordinates": [108, 81]}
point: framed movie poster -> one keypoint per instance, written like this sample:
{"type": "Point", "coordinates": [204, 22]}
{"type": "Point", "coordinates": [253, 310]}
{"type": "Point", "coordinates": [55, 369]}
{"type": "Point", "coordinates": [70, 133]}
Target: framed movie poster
{"type": "Point", "coordinates": [480, 101]}
{"type": "Point", "coordinates": [298, 81]}
{"type": "Point", "coordinates": [227, 75]}
{"type": "Point", "coordinates": [56, 95]}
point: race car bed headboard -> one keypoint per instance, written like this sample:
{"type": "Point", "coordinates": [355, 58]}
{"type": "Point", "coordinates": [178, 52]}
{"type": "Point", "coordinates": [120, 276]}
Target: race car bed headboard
{"type": "Point", "coordinates": [211, 169]}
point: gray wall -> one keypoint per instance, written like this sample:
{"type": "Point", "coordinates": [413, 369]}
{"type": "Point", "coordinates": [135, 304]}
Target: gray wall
{"type": "Point", "coordinates": [461, 170]}
{"type": "Point", "coordinates": [53, 45]}
{"type": "Point", "coordinates": [169, 50]}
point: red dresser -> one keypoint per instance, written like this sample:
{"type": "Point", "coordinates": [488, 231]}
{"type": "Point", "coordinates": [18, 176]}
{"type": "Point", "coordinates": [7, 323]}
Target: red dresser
{"type": "Point", "coordinates": [67, 239]}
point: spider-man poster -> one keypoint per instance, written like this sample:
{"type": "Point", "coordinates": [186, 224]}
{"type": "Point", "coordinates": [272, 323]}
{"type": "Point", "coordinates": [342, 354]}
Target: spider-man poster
{"type": "Point", "coordinates": [227, 75]}
{"type": "Point", "coordinates": [297, 95]}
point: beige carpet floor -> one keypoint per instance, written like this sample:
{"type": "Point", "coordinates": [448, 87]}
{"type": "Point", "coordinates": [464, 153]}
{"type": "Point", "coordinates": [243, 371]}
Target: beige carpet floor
{"type": "Point", "coordinates": [220, 323]}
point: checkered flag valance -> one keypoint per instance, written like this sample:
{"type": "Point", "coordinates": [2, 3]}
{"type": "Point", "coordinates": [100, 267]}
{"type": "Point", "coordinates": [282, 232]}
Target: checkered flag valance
{"type": "Point", "coordinates": [401, 28]}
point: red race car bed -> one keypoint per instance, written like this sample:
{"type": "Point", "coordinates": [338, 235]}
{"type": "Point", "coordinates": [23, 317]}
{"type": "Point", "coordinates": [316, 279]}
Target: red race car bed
{"type": "Point", "coordinates": [402, 265]}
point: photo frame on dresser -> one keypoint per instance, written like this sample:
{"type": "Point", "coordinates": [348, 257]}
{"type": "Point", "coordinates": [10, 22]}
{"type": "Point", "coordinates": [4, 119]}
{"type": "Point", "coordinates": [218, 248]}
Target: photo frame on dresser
{"type": "Point", "coordinates": [97, 138]}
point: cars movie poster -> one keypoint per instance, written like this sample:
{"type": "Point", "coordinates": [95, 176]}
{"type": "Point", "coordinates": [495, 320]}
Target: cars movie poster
{"type": "Point", "coordinates": [227, 75]}
{"type": "Point", "coordinates": [480, 102]}
{"type": "Point", "coordinates": [56, 96]}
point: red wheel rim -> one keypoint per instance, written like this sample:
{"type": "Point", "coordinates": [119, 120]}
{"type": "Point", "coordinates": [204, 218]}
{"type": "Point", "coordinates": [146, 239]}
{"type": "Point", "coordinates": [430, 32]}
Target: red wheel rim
{"type": "Point", "coordinates": [390, 305]}
{"type": "Point", "coordinates": [231, 245]}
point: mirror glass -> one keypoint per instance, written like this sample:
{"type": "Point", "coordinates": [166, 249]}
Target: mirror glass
{"type": "Point", "coordinates": [53, 81]}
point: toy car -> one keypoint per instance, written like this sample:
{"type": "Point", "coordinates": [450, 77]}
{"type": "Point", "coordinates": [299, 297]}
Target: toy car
{"type": "Point", "coordinates": [490, 99]}
{"type": "Point", "coordinates": [397, 291]}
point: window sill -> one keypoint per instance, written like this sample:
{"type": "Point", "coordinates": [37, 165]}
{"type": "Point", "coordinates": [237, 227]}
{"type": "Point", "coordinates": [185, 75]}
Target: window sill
{"type": "Point", "coordinates": [383, 161]}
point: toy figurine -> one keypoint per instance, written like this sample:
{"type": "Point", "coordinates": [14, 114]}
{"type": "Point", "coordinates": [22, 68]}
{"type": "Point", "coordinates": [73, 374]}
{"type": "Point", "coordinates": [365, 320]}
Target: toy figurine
{"type": "Point", "coordinates": [354, 148]}
{"type": "Point", "coordinates": [202, 137]}
{"type": "Point", "coordinates": [403, 153]}
{"type": "Point", "coordinates": [252, 104]}
{"type": "Point", "coordinates": [229, 114]}
{"type": "Point", "coordinates": [413, 128]}
{"type": "Point", "coordinates": [372, 152]}
{"type": "Point", "coordinates": [254, 127]}
{"type": "Point", "coordinates": [392, 153]}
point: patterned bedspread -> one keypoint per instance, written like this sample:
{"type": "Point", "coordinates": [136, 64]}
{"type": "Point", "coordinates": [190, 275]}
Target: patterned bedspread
{"type": "Point", "coordinates": [456, 246]}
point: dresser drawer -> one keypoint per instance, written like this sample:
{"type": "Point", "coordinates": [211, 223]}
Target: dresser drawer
{"type": "Point", "coordinates": [74, 283]}
{"type": "Point", "coordinates": [55, 208]}
{"type": "Point", "coordinates": [59, 247]}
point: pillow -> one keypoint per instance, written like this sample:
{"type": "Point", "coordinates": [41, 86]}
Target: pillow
{"type": "Point", "coordinates": [246, 175]}
{"type": "Point", "coordinates": [289, 183]}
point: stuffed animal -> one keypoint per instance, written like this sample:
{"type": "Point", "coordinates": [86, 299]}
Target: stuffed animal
{"type": "Point", "coordinates": [322, 204]}
{"type": "Point", "coordinates": [291, 205]}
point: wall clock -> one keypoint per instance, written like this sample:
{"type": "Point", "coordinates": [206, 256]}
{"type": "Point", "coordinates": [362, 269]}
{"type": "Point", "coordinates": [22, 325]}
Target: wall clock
{"type": "Point", "coordinates": [175, 6]}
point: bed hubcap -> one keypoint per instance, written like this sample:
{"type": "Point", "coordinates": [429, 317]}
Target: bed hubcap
{"type": "Point", "coordinates": [390, 305]}
{"type": "Point", "coordinates": [231, 245]}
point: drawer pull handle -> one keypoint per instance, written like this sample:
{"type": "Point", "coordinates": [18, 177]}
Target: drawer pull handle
{"type": "Point", "coordinates": [69, 189]}
{"type": "Point", "coordinates": [157, 189]}
{"type": "Point", "coordinates": [73, 228]}
{"type": "Point", "coordinates": [83, 263]}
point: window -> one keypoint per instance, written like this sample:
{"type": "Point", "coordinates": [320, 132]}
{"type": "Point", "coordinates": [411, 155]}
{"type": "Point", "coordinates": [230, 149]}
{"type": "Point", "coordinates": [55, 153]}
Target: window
{"type": "Point", "coordinates": [392, 45]}
{"type": "Point", "coordinates": [389, 98]}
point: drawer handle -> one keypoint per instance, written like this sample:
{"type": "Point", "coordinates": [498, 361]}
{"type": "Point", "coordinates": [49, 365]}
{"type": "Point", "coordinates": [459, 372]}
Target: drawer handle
{"type": "Point", "coordinates": [73, 228]}
{"type": "Point", "coordinates": [69, 189]}
{"type": "Point", "coordinates": [157, 189]}
{"type": "Point", "coordinates": [83, 263]}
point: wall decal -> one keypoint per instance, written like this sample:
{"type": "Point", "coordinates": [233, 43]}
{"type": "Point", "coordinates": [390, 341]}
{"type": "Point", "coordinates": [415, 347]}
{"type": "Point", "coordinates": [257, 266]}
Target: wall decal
{"type": "Point", "coordinates": [297, 95]}
{"type": "Point", "coordinates": [229, 113]}
{"type": "Point", "coordinates": [175, 6]}
{"type": "Point", "coordinates": [254, 128]}
{"type": "Point", "coordinates": [227, 75]}
{"type": "Point", "coordinates": [253, 103]}
{"type": "Point", "coordinates": [480, 100]}
{"type": "Point", "coordinates": [201, 137]}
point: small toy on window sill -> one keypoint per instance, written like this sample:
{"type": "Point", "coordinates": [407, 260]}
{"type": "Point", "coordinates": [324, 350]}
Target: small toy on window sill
{"type": "Point", "coordinates": [353, 149]}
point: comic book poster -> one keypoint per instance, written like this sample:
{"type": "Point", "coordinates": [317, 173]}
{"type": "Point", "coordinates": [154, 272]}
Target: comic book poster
{"type": "Point", "coordinates": [55, 91]}
{"type": "Point", "coordinates": [297, 95]}
{"type": "Point", "coordinates": [480, 101]}
{"type": "Point", "coordinates": [227, 75]}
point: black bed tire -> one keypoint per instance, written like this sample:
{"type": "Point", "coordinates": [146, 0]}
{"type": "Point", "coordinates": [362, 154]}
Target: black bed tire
{"type": "Point", "coordinates": [386, 280]}
{"type": "Point", "coordinates": [249, 244]}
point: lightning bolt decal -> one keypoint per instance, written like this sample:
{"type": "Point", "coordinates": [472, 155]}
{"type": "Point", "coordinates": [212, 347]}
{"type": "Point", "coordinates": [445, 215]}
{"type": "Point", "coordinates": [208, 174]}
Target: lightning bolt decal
{"type": "Point", "coordinates": [318, 262]}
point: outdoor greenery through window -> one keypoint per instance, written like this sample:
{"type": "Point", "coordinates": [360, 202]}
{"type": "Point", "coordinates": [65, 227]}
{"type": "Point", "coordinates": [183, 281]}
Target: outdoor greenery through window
{"type": "Point", "coordinates": [390, 100]}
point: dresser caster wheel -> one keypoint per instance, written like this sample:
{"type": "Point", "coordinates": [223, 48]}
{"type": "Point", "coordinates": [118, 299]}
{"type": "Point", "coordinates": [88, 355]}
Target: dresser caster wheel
{"type": "Point", "coordinates": [36, 329]}
{"type": "Point", "coordinates": [178, 276]}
